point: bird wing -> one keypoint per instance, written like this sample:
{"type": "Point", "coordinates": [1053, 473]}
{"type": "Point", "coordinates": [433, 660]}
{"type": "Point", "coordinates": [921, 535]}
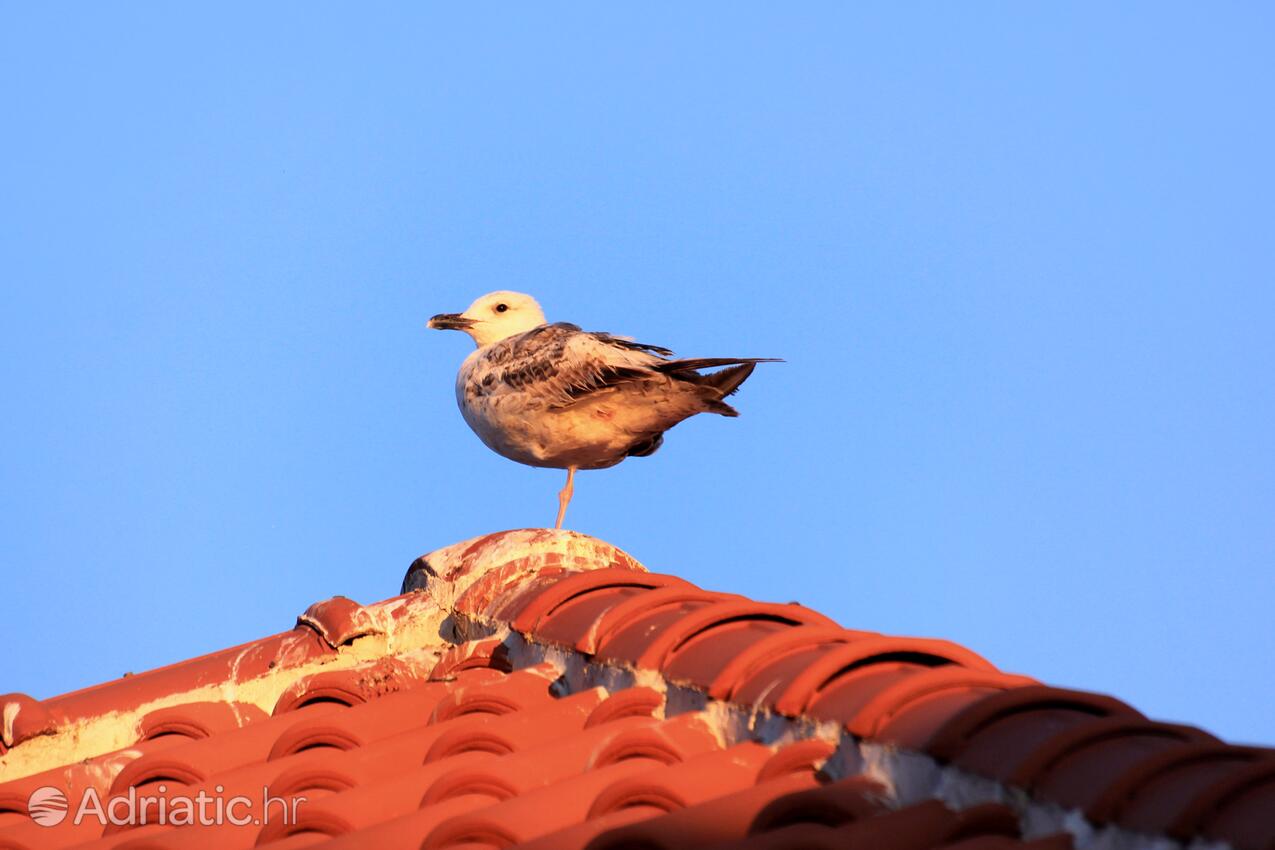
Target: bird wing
{"type": "Point", "coordinates": [560, 364]}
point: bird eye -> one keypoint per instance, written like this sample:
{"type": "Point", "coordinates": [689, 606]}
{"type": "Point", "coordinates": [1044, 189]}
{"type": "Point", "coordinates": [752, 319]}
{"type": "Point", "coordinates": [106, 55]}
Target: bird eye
{"type": "Point", "coordinates": [500, 308]}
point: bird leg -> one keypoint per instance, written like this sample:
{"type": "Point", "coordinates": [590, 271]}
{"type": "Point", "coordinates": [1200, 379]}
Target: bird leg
{"type": "Point", "coordinates": [564, 495]}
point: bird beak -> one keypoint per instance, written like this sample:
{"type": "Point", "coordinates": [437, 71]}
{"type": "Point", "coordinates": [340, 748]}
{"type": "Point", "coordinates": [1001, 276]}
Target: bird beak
{"type": "Point", "coordinates": [450, 322]}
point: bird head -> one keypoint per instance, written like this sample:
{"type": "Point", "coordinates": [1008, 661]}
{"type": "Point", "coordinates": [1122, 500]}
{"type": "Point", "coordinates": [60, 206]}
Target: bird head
{"type": "Point", "coordinates": [493, 317]}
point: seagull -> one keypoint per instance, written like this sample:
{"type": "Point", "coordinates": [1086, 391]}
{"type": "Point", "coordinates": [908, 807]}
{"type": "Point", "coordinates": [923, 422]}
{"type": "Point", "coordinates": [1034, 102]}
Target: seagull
{"type": "Point", "coordinates": [556, 396]}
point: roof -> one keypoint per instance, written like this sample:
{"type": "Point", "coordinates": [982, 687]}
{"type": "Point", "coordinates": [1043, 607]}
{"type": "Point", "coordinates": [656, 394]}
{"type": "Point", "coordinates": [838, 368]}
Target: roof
{"type": "Point", "coordinates": [541, 689]}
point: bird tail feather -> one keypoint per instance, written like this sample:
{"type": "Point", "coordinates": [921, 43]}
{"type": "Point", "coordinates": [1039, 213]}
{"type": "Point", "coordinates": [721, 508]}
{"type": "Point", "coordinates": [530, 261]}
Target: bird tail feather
{"type": "Point", "coordinates": [715, 385]}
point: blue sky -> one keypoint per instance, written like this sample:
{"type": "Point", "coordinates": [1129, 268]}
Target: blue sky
{"type": "Point", "coordinates": [1018, 259]}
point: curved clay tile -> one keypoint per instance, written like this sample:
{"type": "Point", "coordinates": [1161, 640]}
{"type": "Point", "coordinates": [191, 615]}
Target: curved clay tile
{"type": "Point", "coordinates": [699, 646]}
{"type": "Point", "coordinates": [476, 734]}
{"type": "Point", "coordinates": [915, 827]}
{"type": "Point", "coordinates": [649, 633]}
{"type": "Point", "coordinates": [485, 602]}
{"type": "Point", "coordinates": [509, 733]}
{"type": "Point", "coordinates": [313, 824]}
{"type": "Point", "coordinates": [352, 686]}
{"type": "Point", "coordinates": [630, 702]}
{"type": "Point", "coordinates": [687, 783]}
{"type": "Point", "coordinates": [665, 603]}
{"type": "Point", "coordinates": [165, 768]}
{"type": "Point", "coordinates": [268, 774]}
{"type": "Point", "coordinates": [575, 621]}
{"type": "Point", "coordinates": [196, 759]}
{"type": "Point", "coordinates": [551, 547]}
{"type": "Point", "coordinates": [281, 776]}
{"type": "Point", "coordinates": [197, 719]}
{"type": "Point", "coordinates": [725, 818]}
{"type": "Point", "coordinates": [529, 815]}
{"type": "Point", "coordinates": [1243, 817]}
{"type": "Point", "coordinates": [356, 725]}
{"type": "Point", "coordinates": [846, 695]}
{"type": "Point", "coordinates": [339, 621]}
{"type": "Point", "coordinates": [834, 804]}
{"type": "Point", "coordinates": [319, 733]}
{"type": "Point", "coordinates": [865, 656]}
{"type": "Point", "coordinates": [21, 718]}
{"type": "Point", "coordinates": [1235, 808]}
{"type": "Point", "coordinates": [485, 574]}
{"type": "Point", "coordinates": [985, 819]}
{"type": "Point", "coordinates": [512, 693]}
{"type": "Point", "coordinates": [924, 690]}
{"type": "Point", "coordinates": [490, 654]}
{"type": "Point", "coordinates": [310, 780]}
{"type": "Point", "coordinates": [13, 807]}
{"type": "Point", "coordinates": [556, 784]}
{"type": "Point", "coordinates": [918, 827]}
{"type": "Point", "coordinates": [765, 660]}
{"type": "Point", "coordinates": [527, 613]}
{"type": "Point", "coordinates": [337, 687]}
{"type": "Point", "coordinates": [1154, 796]}
{"type": "Point", "coordinates": [1077, 766]}
{"type": "Point", "coordinates": [369, 806]}
{"type": "Point", "coordinates": [405, 831]}
{"type": "Point", "coordinates": [535, 764]}
{"type": "Point", "coordinates": [495, 785]}
{"type": "Point", "coordinates": [162, 789]}
{"type": "Point", "coordinates": [665, 741]}
{"type": "Point", "coordinates": [993, 735]}
{"type": "Point", "coordinates": [806, 756]}
{"type": "Point", "coordinates": [583, 834]}
{"type": "Point", "coordinates": [806, 836]}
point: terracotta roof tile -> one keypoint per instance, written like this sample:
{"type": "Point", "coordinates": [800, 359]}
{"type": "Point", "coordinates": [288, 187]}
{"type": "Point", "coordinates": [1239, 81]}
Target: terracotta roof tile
{"type": "Point", "coordinates": [542, 690]}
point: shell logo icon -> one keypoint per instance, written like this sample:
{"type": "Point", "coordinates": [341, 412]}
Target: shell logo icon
{"type": "Point", "coordinates": [47, 806]}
